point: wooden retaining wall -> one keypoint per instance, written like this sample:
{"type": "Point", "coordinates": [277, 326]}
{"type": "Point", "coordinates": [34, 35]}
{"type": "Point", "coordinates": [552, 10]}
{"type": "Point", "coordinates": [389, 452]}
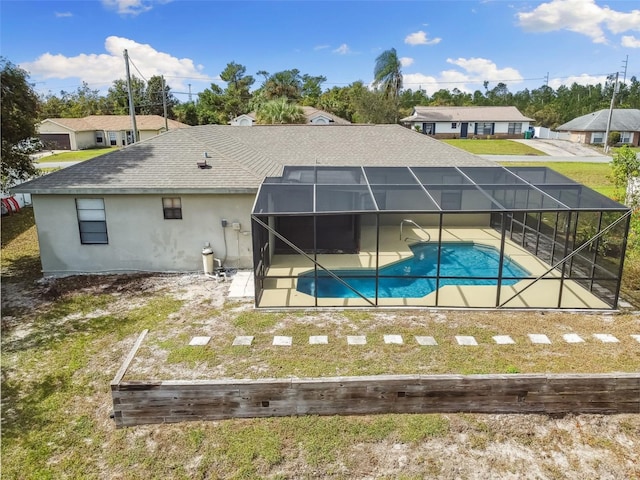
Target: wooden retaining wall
{"type": "Point", "coordinates": [143, 402]}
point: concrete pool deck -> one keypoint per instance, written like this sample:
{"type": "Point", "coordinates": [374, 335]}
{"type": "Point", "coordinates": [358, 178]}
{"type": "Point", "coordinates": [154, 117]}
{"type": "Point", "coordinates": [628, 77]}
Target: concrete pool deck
{"type": "Point", "coordinates": [281, 292]}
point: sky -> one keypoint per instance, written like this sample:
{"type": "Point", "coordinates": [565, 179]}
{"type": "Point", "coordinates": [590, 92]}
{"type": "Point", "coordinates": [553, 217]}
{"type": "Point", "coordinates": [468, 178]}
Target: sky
{"type": "Point", "coordinates": [442, 44]}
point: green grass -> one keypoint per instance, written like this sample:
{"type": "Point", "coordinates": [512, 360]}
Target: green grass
{"type": "Point", "coordinates": [76, 156]}
{"type": "Point", "coordinates": [594, 175]}
{"type": "Point", "coordinates": [494, 147]}
{"type": "Point", "coordinates": [21, 259]}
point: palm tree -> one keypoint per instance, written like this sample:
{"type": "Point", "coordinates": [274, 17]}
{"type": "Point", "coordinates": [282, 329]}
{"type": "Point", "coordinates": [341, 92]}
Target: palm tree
{"type": "Point", "coordinates": [279, 111]}
{"type": "Point", "coordinates": [388, 76]}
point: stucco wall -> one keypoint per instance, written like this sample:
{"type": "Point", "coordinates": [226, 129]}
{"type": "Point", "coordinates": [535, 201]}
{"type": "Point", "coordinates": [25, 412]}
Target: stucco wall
{"type": "Point", "coordinates": [84, 140]}
{"type": "Point", "coordinates": [140, 239]}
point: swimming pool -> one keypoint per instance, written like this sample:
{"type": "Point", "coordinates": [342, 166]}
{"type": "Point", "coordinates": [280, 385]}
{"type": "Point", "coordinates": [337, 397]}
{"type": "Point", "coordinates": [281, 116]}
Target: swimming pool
{"type": "Point", "coordinates": [405, 279]}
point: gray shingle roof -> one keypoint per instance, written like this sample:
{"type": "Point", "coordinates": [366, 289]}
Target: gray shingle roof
{"type": "Point", "coordinates": [240, 158]}
{"type": "Point", "coordinates": [115, 122]}
{"type": "Point", "coordinates": [622, 120]}
{"type": "Point", "coordinates": [466, 114]}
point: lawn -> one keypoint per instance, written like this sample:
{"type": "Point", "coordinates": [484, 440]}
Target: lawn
{"type": "Point", "coordinates": [76, 156]}
{"type": "Point", "coordinates": [494, 147]}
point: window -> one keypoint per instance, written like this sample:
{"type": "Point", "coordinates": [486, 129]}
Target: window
{"type": "Point", "coordinates": [515, 128]}
{"type": "Point", "coordinates": [625, 137]}
{"type": "Point", "coordinates": [484, 128]}
{"type": "Point", "coordinates": [92, 221]}
{"type": "Point", "coordinates": [429, 128]}
{"type": "Point", "coordinates": [172, 208]}
{"type": "Point", "coordinates": [113, 140]}
{"type": "Point", "coordinates": [454, 124]}
{"type": "Point", "coordinates": [99, 137]}
{"type": "Point", "coordinates": [597, 137]}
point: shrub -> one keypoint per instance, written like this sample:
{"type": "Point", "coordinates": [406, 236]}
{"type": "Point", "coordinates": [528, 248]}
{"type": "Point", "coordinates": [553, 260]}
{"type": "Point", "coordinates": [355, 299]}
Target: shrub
{"type": "Point", "coordinates": [614, 138]}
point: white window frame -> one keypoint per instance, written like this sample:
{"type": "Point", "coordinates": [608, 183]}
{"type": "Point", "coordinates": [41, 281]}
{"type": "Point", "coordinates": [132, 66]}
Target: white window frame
{"type": "Point", "coordinates": [625, 137]}
{"type": "Point", "coordinates": [92, 221]}
{"type": "Point", "coordinates": [514, 128]}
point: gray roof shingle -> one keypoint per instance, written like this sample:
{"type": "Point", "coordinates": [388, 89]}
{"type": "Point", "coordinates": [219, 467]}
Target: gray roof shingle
{"type": "Point", "coordinates": [466, 114]}
{"type": "Point", "coordinates": [115, 122]}
{"type": "Point", "coordinates": [239, 158]}
{"type": "Point", "coordinates": [622, 120]}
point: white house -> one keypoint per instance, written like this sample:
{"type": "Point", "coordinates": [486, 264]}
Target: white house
{"type": "Point", "coordinates": [100, 131]}
{"type": "Point", "coordinates": [468, 122]}
{"type": "Point", "coordinates": [313, 117]}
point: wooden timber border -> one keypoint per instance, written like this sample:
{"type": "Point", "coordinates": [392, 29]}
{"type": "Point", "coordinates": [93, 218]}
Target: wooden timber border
{"type": "Point", "coordinates": [145, 402]}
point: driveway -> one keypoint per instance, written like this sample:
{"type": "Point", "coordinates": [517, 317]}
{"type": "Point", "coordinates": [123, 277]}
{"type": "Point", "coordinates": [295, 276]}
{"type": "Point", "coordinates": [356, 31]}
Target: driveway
{"type": "Point", "coordinates": [556, 150]}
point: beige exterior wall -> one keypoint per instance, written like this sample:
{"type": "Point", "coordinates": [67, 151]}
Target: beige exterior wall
{"type": "Point", "coordinates": [83, 140]}
{"type": "Point", "coordinates": [145, 134]}
{"type": "Point", "coordinates": [140, 239]}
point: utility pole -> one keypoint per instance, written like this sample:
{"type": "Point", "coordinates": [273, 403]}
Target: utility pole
{"type": "Point", "coordinates": [189, 92]}
{"type": "Point", "coordinates": [164, 105]}
{"type": "Point", "coordinates": [626, 63]}
{"type": "Point", "coordinates": [546, 80]}
{"type": "Point", "coordinates": [132, 110]}
{"type": "Point", "coordinates": [613, 100]}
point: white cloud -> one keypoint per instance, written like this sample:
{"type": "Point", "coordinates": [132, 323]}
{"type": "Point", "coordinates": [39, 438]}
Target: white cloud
{"type": "Point", "coordinates": [321, 47]}
{"type": "Point", "coordinates": [420, 38]}
{"type": "Point", "coordinates": [63, 14]}
{"type": "Point", "coordinates": [406, 61]}
{"type": "Point", "coordinates": [100, 70]}
{"type": "Point", "coordinates": [470, 76]}
{"type": "Point", "coordinates": [484, 69]}
{"type": "Point", "coordinates": [584, 79]}
{"type": "Point", "coordinates": [579, 16]}
{"type": "Point", "coordinates": [630, 41]}
{"type": "Point", "coordinates": [342, 49]}
{"type": "Point", "coordinates": [132, 7]}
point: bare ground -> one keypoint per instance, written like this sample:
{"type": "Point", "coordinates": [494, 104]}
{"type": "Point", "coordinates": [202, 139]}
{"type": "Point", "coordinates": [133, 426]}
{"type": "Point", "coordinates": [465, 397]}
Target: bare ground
{"type": "Point", "coordinates": [473, 446]}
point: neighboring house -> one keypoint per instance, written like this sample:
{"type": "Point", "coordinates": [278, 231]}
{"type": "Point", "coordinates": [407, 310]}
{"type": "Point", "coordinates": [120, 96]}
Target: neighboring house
{"type": "Point", "coordinates": [591, 128]}
{"type": "Point", "coordinates": [313, 116]}
{"type": "Point", "coordinates": [100, 131]}
{"type": "Point", "coordinates": [468, 122]}
{"type": "Point", "coordinates": [153, 205]}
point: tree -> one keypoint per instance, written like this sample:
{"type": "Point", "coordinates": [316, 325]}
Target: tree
{"type": "Point", "coordinates": [153, 98]}
{"type": "Point", "coordinates": [312, 89]}
{"type": "Point", "coordinates": [625, 167]}
{"type": "Point", "coordinates": [280, 112]}
{"type": "Point", "coordinates": [287, 83]}
{"type": "Point", "coordinates": [387, 76]}
{"type": "Point", "coordinates": [186, 113]}
{"type": "Point", "coordinates": [237, 94]}
{"type": "Point", "coordinates": [372, 106]}
{"type": "Point", "coordinates": [118, 95]}
{"type": "Point", "coordinates": [20, 107]}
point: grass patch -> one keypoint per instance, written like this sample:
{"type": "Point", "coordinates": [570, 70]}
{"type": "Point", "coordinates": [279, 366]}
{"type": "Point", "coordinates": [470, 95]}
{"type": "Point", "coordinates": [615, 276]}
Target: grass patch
{"type": "Point", "coordinates": [494, 147]}
{"type": "Point", "coordinates": [76, 156]}
{"type": "Point", "coordinates": [20, 250]}
{"type": "Point", "coordinates": [594, 175]}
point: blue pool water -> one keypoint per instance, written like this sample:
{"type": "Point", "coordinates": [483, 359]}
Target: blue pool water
{"type": "Point", "coordinates": [399, 280]}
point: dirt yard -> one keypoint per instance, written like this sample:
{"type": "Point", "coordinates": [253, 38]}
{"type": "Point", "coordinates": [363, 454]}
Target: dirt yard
{"type": "Point", "coordinates": [63, 340]}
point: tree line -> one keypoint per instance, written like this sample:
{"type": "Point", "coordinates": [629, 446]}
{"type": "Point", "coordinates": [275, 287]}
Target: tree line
{"type": "Point", "coordinates": [277, 98]}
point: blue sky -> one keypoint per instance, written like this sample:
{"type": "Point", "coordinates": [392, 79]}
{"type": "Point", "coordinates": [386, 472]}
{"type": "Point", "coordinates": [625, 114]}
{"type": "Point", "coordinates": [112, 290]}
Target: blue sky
{"type": "Point", "coordinates": [443, 44]}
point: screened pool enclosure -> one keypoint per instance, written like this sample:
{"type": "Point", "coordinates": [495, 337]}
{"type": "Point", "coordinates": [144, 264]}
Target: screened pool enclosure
{"type": "Point", "coordinates": [470, 237]}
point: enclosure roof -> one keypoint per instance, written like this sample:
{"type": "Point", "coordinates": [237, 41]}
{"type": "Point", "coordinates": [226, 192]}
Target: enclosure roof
{"type": "Point", "coordinates": [306, 190]}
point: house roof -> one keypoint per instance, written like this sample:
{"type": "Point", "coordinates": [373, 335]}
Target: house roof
{"type": "Point", "coordinates": [115, 122]}
{"type": "Point", "coordinates": [238, 159]}
{"type": "Point", "coordinates": [622, 120]}
{"type": "Point", "coordinates": [466, 114]}
{"type": "Point", "coordinates": [309, 112]}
